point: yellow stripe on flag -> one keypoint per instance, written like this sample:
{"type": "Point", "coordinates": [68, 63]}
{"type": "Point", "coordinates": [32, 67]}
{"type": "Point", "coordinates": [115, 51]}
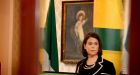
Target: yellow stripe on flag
{"type": "Point", "coordinates": [114, 57]}
{"type": "Point", "coordinates": [43, 9]}
{"type": "Point", "coordinates": [108, 14]}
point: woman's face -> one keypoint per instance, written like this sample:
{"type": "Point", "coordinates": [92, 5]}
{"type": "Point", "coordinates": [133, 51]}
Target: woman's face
{"type": "Point", "coordinates": [81, 17]}
{"type": "Point", "coordinates": [92, 46]}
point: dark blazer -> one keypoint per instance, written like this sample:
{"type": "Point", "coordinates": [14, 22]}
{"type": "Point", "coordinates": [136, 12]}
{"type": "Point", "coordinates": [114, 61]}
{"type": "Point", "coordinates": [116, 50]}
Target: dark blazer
{"type": "Point", "coordinates": [102, 67]}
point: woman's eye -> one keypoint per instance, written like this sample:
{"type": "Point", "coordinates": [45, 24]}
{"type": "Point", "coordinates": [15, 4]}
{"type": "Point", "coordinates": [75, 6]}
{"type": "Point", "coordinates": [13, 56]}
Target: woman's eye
{"type": "Point", "coordinates": [95, 43]}
{"type": "Point", "coordinates": [90, 43]}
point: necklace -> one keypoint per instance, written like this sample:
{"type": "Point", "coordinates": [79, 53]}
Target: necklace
{"type": "Point", "coordinates": [88, 66]}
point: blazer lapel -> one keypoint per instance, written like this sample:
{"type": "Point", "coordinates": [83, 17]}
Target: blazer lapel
{"type": "Point", "coordinates": [98, 66]}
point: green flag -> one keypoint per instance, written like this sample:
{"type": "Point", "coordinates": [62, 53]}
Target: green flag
{"type": "Point", "coordinates": [50, 42]}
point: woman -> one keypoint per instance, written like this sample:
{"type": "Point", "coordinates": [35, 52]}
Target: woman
{"type": "Point", "coordinates": [94, 64]}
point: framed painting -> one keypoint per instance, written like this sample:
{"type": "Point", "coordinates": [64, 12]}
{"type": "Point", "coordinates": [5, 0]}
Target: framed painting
{"type": "Point", "coordinates": [77, 21]}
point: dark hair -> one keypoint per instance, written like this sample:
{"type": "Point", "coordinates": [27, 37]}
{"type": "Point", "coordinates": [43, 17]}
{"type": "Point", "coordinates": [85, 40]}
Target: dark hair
{"type": "Point", "coordinates": [93, 35]}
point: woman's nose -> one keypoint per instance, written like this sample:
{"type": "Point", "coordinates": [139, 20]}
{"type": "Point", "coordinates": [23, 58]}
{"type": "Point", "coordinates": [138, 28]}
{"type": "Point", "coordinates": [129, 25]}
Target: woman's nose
{"type": "Point", "coordinates": [93, 46]}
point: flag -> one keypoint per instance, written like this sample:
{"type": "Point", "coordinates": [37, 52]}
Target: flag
{"type": "Point", "coordinates": [50, 38]}
{"type": "Point", "coordinates": [125, 51]}
{"type": "Point", "coordinates": [108, 23]}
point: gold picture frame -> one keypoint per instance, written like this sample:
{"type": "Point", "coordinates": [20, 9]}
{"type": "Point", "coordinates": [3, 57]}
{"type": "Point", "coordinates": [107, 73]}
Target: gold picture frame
{"type": "Point", "coordinates": [71, 37]}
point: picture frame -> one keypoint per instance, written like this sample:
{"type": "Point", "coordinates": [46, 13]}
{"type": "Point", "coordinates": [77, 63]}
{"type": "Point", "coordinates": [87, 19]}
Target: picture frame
{"type": "Point", "coordinates": [77, 21]}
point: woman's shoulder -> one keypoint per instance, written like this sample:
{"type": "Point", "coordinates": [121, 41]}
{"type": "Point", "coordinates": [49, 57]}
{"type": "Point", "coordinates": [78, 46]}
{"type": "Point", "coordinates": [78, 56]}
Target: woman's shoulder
{"type": "Point", "coordinates": [108, 64]}
{"type": "Point", "coordinates": [105, 61]}
{"type": "Point", "coordinates": [109, 67]}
